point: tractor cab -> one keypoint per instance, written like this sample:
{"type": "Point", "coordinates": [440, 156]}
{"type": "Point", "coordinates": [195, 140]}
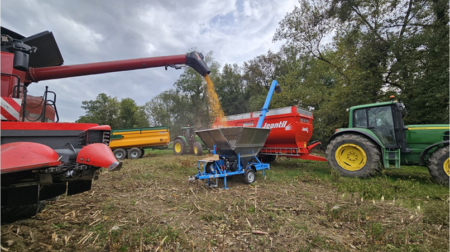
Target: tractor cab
{"type": "Point", "coordinates": [385, 120]}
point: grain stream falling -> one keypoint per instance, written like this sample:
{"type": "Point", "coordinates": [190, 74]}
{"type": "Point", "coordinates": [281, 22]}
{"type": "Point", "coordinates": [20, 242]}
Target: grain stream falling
{"type": "Point", "coordinates": [213, 100]}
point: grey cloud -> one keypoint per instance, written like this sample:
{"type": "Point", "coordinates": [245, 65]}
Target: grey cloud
{"type": "Point", "coordinates": [95, 30]}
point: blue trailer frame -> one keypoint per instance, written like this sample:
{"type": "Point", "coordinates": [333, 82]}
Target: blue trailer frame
{"type": "Point", "coordinates": [220, 172]}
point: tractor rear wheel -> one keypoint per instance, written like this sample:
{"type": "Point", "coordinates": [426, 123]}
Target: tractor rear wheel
{"type": "Point", "coordinates": [179, 148]}
{"type": "Point", "coordinates": [353, 156]}
{"type": "Point", "coordinates": [438, 165]}
{"type": "Point", "coordinates": [249, 176]}
{"type": "Point", "coordinates": [198, 151]}
{"type": "Point", "coordinates": [120, 153]}
{"type": "Point", "coordinates": [134, 153]}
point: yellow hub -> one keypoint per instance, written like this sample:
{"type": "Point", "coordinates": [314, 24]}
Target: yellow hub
{"type": "Point", "coordinates": [351, 157]}
{"type": "Point", "coordinates": [195, 150]}
{"type": "Point", "coordinates": [446, 166]}
{"type": "Point", "coordinates": [177, 147]}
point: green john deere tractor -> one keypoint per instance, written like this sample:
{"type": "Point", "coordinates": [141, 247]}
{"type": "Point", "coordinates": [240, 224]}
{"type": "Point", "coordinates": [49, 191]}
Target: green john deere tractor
{"type": "Point", "coordinates": [188, 142]}
{"type": "Point", "coordinates": [377, 138]}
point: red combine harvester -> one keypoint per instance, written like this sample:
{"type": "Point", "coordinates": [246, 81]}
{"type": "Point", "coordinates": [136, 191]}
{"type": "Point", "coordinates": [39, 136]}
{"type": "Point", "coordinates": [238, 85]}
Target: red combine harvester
{"type": "Point", "coordinates": [291, 130]}
{"type": "Point", "coordinates": [40, 157]}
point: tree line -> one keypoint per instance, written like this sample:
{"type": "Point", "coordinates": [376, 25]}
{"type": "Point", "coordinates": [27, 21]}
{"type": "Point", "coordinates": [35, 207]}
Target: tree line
{"type": "Point", "coordinates": [336, 54]}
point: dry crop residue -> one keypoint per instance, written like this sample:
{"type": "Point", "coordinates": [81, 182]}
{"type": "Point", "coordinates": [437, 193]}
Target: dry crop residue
{"type": "Point", "coordinates": [150, 206]}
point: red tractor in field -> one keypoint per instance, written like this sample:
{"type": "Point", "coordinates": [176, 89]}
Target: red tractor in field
{"type": "Point", "coordinates": [40, 157]}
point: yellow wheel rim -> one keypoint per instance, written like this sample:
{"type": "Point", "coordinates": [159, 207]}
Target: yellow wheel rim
{"type": "Point", "coordinates": [195, 150]}
{"type": "Point", "coordinates": [351, 157]}
{"type": "Point", "coordinates": [446, 164]}
{"type": "Point", "coordinates": [178, 147]}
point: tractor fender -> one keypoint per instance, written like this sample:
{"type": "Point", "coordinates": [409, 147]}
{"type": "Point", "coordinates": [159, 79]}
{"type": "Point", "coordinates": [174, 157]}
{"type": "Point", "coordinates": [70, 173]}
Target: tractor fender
{"type": "Point", "coordinates": [184, 139]}
{"type": "Point", "coordinates": [429, 148]}
{"type": "Point", "coordinates": [362, 132]}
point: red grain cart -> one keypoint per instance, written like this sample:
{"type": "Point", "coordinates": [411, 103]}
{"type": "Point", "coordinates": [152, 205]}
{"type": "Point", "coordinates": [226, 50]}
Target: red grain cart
{"type": "Point", "coordinates": [291, 130]}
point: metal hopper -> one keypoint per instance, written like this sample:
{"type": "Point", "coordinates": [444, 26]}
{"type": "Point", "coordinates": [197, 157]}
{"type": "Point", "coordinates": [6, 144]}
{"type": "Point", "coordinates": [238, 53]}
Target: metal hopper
{"type": "Point", "coordinates": [245, 141]}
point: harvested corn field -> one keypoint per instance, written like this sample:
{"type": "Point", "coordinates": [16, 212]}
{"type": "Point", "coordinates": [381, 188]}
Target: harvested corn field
{"type": "Point", "coordinates": [300, 206]}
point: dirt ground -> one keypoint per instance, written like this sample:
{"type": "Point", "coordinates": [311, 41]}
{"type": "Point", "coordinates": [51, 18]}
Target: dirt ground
{"type": "Point", "coordinates": [150, 206]}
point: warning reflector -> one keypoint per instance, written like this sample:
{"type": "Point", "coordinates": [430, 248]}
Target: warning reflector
{"type": "Point", "coordinates": [10, 108]}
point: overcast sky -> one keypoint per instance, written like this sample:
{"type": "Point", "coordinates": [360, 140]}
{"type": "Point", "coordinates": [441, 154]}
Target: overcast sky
{"type": "Point", "coordinates": [94, 30]}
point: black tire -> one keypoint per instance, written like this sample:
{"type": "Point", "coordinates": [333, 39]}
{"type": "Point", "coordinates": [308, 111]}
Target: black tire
{"type": "Point", "coordinates": [142, 152]}
{"type": "Point", "coordinates": [134, 153]}
{"type": "Point", "coordinates": [249, 176]}
{"type": "Point", "coordinates": [438, 165]}
{"type": "Point", "coordinates": [198, 151]}
{"type": "Point", "coordinates": [179, 148]}
{"type": "Point", "coordinates": [120, 154]}
{"type": "Point", "coordinates": [15, 213]}
{"type": "Point", "coordinates": [268, 158]}
{"type": "Point", "coordinates": [209, 168]}
{"type": "Point", "coordinates": [353, 156]}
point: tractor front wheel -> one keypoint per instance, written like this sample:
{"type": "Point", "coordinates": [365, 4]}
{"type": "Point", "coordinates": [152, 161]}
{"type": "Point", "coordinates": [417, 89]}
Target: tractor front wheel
{"type": "Point", "coordinates": [198, 151]}
{"type": "Point", "coordinates": [179, 148]}
{"type": "Point", "coordinates": [134, 153]}
{"type": "Point", "coordinates": [438, 165]}
{"type": "Point", "coordinates": [120, 153]}
{"type": "Point", "coordinates": [353, 156]}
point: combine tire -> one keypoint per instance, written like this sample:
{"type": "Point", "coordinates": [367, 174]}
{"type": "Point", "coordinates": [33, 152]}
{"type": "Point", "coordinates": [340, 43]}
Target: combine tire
{"type": "Point", "coordinates": [353, 156]}
{"type": "Point", "coordinates": [120, 153]}
{"type": "Point", "coordinates": [15, 213]}
{"type": "Point", "coordinates": [134, 153]}
{"type": "Point", "coordinates": [179, 148]}
{"type": "Point", "coordinates": [438, 165]}
{"type": "Point", "coordinates": [249, 176]}
{"type": "Point", "coordinates": [198, 151]}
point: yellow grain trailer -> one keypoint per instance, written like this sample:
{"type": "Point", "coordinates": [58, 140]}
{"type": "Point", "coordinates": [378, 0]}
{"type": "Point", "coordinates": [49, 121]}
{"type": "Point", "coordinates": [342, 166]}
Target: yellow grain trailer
{"type": "Point", "coordinates": [131, 142]}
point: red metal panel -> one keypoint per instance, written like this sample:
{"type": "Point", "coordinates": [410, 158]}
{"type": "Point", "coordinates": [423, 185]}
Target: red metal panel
{"type": "Point", "coordinates": [97, 154]}
{"type": "Point", "coordinates": [26, 155]}
{"type": "Point", "coordinates": [289, 130]}
{"type": "Point", "coordinates": [47, 126]}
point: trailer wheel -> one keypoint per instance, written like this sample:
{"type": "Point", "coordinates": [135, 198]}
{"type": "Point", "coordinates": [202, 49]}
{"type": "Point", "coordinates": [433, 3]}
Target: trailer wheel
{"type": "Point", "coordinates": [134, 153]}
{"type": "Point", "coordinates": [268, 158]}
{"type": "Point", "coordinates": [438, 165]}
{"type": "Point", "coordinates": [249, 176]}
{"type": "Point", "coordinates": [120, 153]}
{"type": "Point", "coordinates": [209, 168]}
{"type": "Point", "coordinates": [179, 147]}
{"type": "Point", "coordinates": [353, 156]}
{"type": "Point", "coordinates": [198, 151]}
{"type": "Point", "coordinates": [142, 152]}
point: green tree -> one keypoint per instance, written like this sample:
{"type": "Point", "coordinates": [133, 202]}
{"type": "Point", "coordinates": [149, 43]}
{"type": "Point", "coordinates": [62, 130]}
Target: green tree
{"type": "Point", "coordinates": [131, 115]}
{"type": "Point", "coordinates": [368, 50]}
{"type": "Point", "coordinates": [104, 110]}
{"type": "Point", "coordinates": [231, 90]}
